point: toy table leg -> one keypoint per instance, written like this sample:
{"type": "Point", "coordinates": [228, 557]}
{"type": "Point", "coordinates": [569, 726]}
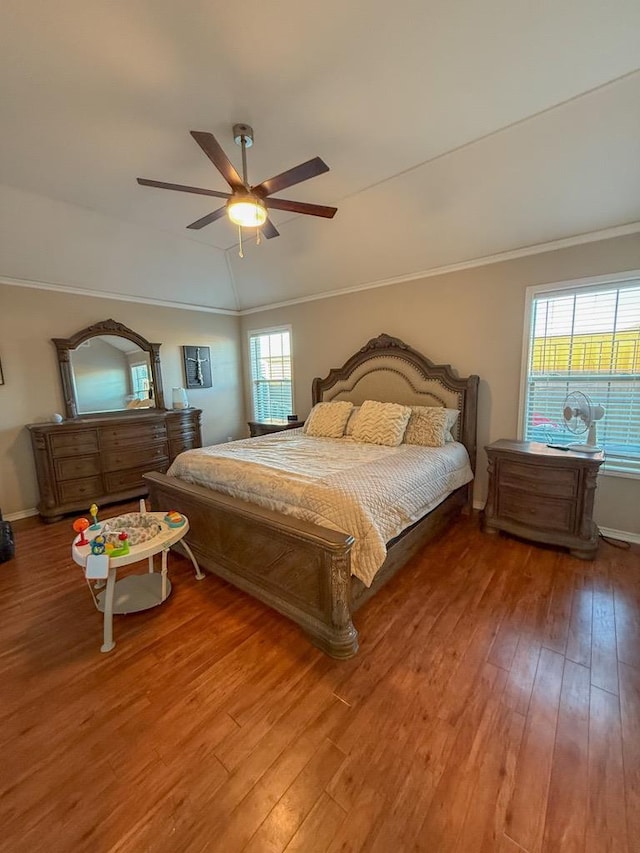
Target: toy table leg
{"type": "Point", "coordinates": [165, 551]}
{"type": "Point", "coordinates": [107, 637]}
{"type": "Point", "coordinates": [151, 564]}
{"type": "Point", "coordinates": [199, 574]}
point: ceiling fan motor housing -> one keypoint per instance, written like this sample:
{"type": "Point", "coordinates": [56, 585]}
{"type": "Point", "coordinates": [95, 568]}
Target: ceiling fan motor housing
{"type": "Point", "coordinates": [243, 131]}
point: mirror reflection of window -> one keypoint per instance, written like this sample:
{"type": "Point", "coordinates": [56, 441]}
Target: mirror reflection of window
{"type": "Point", "coordinates": [140, 381]}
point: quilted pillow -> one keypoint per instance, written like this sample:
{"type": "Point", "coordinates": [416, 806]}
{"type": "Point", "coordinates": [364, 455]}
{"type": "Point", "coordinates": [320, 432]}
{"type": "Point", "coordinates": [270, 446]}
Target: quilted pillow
{"type": "Point", "coordinates": [428, 426]}
{"type": "Point", "coordinates": [452, 417]}
{"type": "Point", "coordinates": [328, 420]}
{"type": "Point", "coordinates": [353, 420]}
{"type": "Point", "coordinates": [381, 423]}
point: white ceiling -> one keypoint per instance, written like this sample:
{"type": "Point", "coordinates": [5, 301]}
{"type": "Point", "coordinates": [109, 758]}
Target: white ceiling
{"type": "Point", "coordinates": [453, 131]}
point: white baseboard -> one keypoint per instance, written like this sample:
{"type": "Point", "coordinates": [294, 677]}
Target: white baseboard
{"type": "Point", "coordinates": [23, 513]}
{"type": "Point", "coordinates": [620, 534]}
{"type": "Point", "coordinates": [606, 531]}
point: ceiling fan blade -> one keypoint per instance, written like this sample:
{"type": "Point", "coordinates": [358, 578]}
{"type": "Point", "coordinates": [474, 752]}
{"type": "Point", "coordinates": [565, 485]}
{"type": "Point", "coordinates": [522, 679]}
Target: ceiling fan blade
{"type": "Point", "coordinates": [300, 173]}
{"type": "Point", "coordinates": [161, 185]}
{"type": "Point", "coordinates": [208, 219]}
{"type": "Point", "coordinates": [214, 152]}
{"type": "Point", "coordinates": [269, 230]}
{"type": "Point", "coordinates": [301, 207]}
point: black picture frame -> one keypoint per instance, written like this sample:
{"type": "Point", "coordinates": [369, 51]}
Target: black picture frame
{"type": "Point", "coordinates": [1, 375]}
{"type": "Point", "coordinates": [197, 367]}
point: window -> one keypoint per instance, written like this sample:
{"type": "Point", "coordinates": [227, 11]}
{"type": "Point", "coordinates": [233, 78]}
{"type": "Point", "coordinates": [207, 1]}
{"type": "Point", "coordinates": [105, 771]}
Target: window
{"type": "Point", "coordinates": [140, 381]}
{"type": "Point", "coordinates": [586, 338]}
{"type": "Point", "coordinates": [271, 386]}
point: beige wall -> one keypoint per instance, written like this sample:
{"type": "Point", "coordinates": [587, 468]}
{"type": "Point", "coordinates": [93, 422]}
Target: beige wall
{"type": "Point", "coordinates": [472, 320]}
{"type": "Point", "coordinates": [29, 318]}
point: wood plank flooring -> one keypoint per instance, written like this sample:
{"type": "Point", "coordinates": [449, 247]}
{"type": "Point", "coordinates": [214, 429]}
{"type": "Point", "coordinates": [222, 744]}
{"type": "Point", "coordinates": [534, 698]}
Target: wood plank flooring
{"type": "Point", "coordinates": [494, 706]}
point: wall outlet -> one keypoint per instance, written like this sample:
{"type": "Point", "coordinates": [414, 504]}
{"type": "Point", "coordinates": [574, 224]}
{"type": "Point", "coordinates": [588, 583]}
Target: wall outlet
{"type": "Point", "coordinates": [229, 438]}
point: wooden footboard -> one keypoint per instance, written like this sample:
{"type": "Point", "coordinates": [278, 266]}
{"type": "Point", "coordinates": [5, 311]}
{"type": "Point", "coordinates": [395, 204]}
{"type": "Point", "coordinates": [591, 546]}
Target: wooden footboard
{"type": "Point", "coordinates": [298, 568]}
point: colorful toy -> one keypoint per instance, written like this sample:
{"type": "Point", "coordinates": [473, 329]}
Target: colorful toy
{"type": "Point", "coordinates": [80, 525]}
{"type": "Point", "coordinates": [174, 519]}
{"type": "Point", "coordinates": [93, 512]}
{"type": "Point", "coordinates": [98, 545]}
{"type": "Point", "coordinates": [120, 550]}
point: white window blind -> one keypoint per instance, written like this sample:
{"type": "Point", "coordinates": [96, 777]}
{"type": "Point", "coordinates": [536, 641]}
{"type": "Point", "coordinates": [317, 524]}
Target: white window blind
{"type": "Point", "coordinates": [270, 355]}
{"type": "Point", "coordinates": [587, 339]}
{"type": "Point", "coordinates": [140, 381]}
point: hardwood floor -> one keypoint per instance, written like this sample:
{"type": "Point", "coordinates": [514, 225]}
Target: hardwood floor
{"type": "Point", "coordinates": [494, 706]}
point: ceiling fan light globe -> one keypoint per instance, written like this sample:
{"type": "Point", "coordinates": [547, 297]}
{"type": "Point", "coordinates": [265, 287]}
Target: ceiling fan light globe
{"type": "Point", "coordinates": [247, 212]}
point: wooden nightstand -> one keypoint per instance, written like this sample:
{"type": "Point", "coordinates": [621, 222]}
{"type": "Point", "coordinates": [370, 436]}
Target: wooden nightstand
{"type": "Point", "coordinates": [267, 427]}
{"type": "Point", "coordinates": [543, 494]}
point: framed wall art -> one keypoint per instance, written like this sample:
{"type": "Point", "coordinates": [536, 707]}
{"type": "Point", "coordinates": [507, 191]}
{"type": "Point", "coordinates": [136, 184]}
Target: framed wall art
{"type": "Point", "coordinates": [1, 375]}
{"type": "Point", "coordinates": [197, 367]}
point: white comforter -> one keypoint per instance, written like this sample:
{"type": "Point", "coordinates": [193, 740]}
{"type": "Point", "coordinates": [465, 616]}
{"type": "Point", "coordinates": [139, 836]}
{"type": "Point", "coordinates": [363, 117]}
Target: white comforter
{"type": "Point", "coordinates": [369, 491]}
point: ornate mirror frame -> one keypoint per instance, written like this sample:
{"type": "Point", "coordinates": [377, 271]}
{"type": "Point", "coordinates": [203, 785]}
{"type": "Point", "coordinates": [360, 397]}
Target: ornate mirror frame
{"type": "Point", "coordinates": [64, 346]}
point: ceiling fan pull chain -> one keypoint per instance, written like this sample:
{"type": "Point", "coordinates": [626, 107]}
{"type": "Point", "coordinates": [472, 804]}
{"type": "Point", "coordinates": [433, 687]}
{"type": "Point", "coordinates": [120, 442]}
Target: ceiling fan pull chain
{"type": "Point", "coordinates": [241, 253]}
{"type": "Point", "coordinates": [258, 236]}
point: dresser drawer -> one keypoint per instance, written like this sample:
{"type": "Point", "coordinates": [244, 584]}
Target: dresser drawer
{"type": "Point", "coordinates": [177, 426]}
{"type": "Point", "coordinates": [74, 467]}
{"type": "Point", "coordinates": [185, 442]}
{"type": "Point", "coordinates": [125, 436]}
{"type": "Point", "coordinates": [74, 442]}
{"type": "Point", "coordinates": [118, 460]}
{"type": "Point", "coordinates": [122, 481]}
{"type": "Point", "coordinates": [88, 488]}
{"type": "Point", "coordinates": [525, 508]}
{"type": "Point", "coordinates": [539, 480]}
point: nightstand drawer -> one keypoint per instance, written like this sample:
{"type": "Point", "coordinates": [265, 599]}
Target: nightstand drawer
{"type": "Point", "coordinates": [548, 514]}
{"type": "Point", "coordinates": [538, 480]}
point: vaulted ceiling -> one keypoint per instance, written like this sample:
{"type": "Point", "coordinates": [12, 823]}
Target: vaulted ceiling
{"type": "Point", "coordinates": [453, 131]}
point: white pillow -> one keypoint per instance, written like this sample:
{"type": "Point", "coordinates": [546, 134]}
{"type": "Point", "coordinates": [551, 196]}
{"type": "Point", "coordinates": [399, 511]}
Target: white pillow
{"type": "Point", "coordinates": [328, 420]}
{"type": "Point", "coordinates": [430, 426]}
{"type": "Point", "coordinates": [452, 417]}
{"type": "Point", "coordinates": [381, 423]}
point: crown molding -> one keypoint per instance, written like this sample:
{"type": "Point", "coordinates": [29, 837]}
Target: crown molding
{"type": "Point", "coordinates": [121, 297]}
{"type": "Point", "coordinates": [486, 260]}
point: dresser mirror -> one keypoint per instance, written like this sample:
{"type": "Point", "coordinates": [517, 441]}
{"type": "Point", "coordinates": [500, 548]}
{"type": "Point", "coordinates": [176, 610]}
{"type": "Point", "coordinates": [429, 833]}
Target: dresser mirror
{"type": "Point", "coordinates": [108, 368]}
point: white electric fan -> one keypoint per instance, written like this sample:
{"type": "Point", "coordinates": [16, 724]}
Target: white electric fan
{"type": "Point", "coordinates": [580, 416]}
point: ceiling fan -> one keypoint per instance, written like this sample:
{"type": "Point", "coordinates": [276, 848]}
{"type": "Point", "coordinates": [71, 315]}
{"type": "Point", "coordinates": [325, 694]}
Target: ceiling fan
{"type": "Point", "coordinates": [247, 205]}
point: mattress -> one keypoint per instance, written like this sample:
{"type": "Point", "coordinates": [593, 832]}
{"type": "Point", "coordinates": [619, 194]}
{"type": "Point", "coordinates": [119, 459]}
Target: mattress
{"type": "Point", "coordinates": [368, 491]}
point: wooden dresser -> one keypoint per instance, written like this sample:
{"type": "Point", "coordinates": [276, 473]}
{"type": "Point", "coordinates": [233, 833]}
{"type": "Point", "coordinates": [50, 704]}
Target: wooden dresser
{"type": "Point", "coordinates": [102, 459]}
{"type": "Point", "coordinates": [543, 494]}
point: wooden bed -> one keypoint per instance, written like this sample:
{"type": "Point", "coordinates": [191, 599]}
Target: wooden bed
{"type": "Point", "coordinates": [301, 569]}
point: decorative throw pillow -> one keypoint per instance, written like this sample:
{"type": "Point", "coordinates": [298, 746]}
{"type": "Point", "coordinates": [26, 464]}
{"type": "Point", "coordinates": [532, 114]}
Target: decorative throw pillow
{"type": "Point", "coordinates": [452, 417]}
{"type": "Point", "coordinates": [428, 426]}
{"type": "Point", "coordinates": [353, 419]}
{"type": "Point", "coordinates": [381, 423]}
{"type": "Point", "coordinates": [328, 420]}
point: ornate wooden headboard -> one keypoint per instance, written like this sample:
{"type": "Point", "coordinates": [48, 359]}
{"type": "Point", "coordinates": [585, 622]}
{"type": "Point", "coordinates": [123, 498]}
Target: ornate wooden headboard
{"type": "Point", "coordinates": [391, 371]}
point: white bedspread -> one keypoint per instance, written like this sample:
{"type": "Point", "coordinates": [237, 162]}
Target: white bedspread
{"type": "Point", "coordinates": [369, 491]}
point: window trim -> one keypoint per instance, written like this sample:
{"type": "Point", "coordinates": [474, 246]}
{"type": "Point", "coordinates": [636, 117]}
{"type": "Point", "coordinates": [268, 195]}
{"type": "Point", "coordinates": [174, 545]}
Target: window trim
{"type": "Point", "coordinates": [552, 287]}
{"type": "Point", "coordinates": [282, 327]}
